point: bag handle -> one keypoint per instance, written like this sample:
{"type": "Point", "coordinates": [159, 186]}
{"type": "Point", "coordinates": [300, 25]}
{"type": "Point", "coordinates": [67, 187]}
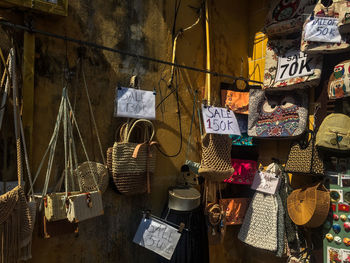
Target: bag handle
{"type": "Point", "coordinates": [150, 138]}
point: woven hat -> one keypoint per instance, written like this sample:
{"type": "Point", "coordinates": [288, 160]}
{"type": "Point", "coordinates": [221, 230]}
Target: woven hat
{"type": "Point", "coordinates": [309, 206]}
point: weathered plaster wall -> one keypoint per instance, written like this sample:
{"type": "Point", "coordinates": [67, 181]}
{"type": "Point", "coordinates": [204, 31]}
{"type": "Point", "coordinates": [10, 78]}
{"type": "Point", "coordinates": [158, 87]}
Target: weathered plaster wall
{"type": "Point", "coordinates": [143, 27]}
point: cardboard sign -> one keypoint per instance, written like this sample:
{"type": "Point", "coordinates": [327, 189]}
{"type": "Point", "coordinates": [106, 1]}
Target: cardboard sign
{"type": "Point", "coordinates": [266, 182]}
{"type": "Point", "coordinates": [157, 236]}
{"type": "Point", "coordinates": [135, 103]}
{"type": "Point", "coordinates": [322, 29]}
{"type": "Point", "coordinates": [220, 120]}
{"type": "Point", "coordinates": [295, 64]}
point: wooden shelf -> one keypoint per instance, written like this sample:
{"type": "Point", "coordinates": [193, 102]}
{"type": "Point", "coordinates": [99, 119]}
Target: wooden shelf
{"type": "Point", "coordinates": [55, 7]}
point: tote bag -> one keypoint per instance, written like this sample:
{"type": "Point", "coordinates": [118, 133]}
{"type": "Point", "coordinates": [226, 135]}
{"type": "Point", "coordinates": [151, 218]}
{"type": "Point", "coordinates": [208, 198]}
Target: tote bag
{"type": "Point", "coordinates": [339, 81]}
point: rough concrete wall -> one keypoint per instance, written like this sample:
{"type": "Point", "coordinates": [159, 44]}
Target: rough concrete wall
{"type": "Point", "coordinates": [143, 27]}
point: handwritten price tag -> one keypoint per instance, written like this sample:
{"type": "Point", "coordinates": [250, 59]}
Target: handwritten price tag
{"type": "Point", "coordinates": [157, 236]}
{"type": "Point", "coordinates": [322, 29]}
{"type": "Point", "coordinates": [135, 103]}
{"type": "Point", "coordinates": [220, 120]}
{"type": "Point", "coordinates": [294, 64]}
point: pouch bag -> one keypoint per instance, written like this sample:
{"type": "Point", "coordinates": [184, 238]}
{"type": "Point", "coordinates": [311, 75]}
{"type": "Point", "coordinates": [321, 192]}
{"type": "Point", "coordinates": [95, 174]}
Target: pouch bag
{"type": "Point", "coordinates": [334, 133]}
{"type": "Point", "coordinates": [55, 206]}
{"type": "Point", "coordinates": [84, 206]}
{"type": "Point", "coordinates": [339, 81]}
{"type": "Point", "coordinates": [286, 67]}
{"type": "Point", "coordinates": [338, 10]}
{"type": "Point", "coordinates": [244, 172]}
{"type": "Point", "coordinates": [286, 17]}
{"type": "Point", "coordinates": [277, 114]}
{"type": "Point", "coordinates": [235, 209]}
{"type": "Point", "coordinates": [304, 157]}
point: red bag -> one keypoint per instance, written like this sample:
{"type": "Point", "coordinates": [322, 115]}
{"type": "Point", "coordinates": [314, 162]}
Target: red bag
{"type": "Point", "coordinates": [244, 172]}
{"type": "Point", "coordinates": [235, 209]}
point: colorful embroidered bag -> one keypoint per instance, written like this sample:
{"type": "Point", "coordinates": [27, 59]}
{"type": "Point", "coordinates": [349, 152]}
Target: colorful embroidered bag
{"type": "Point", "coordinates": [244, 172]}
{"type": "Point", "coordinates": [338, 12]}
{"type": "Point", "coordinates": [286, 67]}
{"type": "Point", "coordinates": [339, 82]}
{"type": "Point", "coordinates": [235, 209]}
{"type": "Point", "coordinates": [286, 17]}
{"type": "Point", "coordinates": [277, 114]}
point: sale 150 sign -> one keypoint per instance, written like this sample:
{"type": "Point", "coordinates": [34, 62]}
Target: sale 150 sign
{"type": "Point", "coordinates": [295, 64]}
{"type": "Point", "coordinates": [219, 120]}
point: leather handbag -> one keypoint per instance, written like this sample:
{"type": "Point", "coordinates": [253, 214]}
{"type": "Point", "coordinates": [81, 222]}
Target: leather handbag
{"type": "Point", "coordinates": [339, 81]}
{"type": "Point", "coordinates": [334, 134]}
{"type": "Point", "coordinates": [304, 157]}
{"type": "Point", "coordinates": [309, 206]}
{"type": "Point", "coordinates": [288, 68]}
{"type": "Point", "coordinates": [286, 17]}
{"type": "Point", "coordinates": [244, 172]}
{"type": "Point", "coordinates": [84, 206]}
{"type": "Point", "coordinates": [339, 10]}
{"type": "Point", "coordinates": [235, 209]}
{"type": "Point", "coordinates": [277, 114]}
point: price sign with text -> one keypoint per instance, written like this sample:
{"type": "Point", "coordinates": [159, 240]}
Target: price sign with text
{"type": "Point", "coordinates": [220, 120]}
{"type": "Point", "coordinates": [157, 236]}
{"type": "Point", "coordinates": [295, 64]}
{"type": "Point", "coordinates": [322, 29]}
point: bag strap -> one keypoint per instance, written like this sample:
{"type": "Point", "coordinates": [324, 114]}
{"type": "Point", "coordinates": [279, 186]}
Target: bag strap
{"type": "Point", "coordinates": [93, 117]}
{"type": "Point", "coordinates": [8, 74]}
{"type": "Point", "coordinates": [133, 127]}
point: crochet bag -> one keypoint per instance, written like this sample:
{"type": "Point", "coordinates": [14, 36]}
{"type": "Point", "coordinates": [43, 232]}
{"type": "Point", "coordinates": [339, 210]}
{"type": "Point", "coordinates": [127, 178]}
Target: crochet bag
{"type": "Point", "coordinates": [338, 10]}
{"type": "Point", "coordinates": [288, 68]}
{"type": "Point", "coordinates": [235, 209]}
{"type": "Point", "coordinates": [304, 157]}
{"type": "Point", "coordinates": [334, 133]}
{"type": "Point", "coordinates": [339, 82]}
{"type": "Point", "coordinates": [259, 228]}
{"type": "Point", "coordinates": [277, 114]}
{"type": "Point", "coordinates": [84, 206]}
{"type": "Point", "coordinates": [216, 157]}
{"type": "Point", "coordinates": [309, 206]}
{"type": "Point", "coordinates": [286, 17]}
{"type": "Point", "coordinates": [132, 163]}
{"type": "Point", "coordinates": [244, 171]}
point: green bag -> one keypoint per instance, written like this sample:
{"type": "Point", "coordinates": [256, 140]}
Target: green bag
{"type": "Point", "coordinates": [334, 133]}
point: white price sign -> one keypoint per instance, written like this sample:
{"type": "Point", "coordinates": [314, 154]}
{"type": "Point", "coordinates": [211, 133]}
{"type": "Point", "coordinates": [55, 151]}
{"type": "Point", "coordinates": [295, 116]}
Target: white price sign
{"type": "Point", "coordinates": [157, 236]}
{"type": "Point", "coordinates": [294, 64]}
{"type": "Point", "coordinates": [135, 103]}
{"type": "Point", "coordinates": [219, 120]}
{"type": "Point", "coordinates": [322, 29]}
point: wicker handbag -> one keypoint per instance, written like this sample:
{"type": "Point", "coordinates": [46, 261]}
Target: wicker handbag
{"type": "Point", "coordinates": [304, 157]}
{"type": "Point", "coordinates": [216, 157]}
{"type": "Point", "coordinates": [309, 206]}
{"type": "Point", "coordinates": [132, 163]}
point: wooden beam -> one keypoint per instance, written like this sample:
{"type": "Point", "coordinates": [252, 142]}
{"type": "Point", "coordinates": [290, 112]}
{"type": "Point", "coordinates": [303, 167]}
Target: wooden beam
{"type": "Point", "coordinates": [28, 90]}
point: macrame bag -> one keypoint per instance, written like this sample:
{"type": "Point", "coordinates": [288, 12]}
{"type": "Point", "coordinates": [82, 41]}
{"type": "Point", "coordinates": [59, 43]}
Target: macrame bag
{"type": "Point", "coordinates": [339, 81]}
{"type": "Point", "coordinates": [286, 17]}
{"type": "Point", "coordinates": [286, 67]}
{"type": "Point", "coordinates": [216, 157]}
{"type": "Point", "coordinates": [339, 10]}
{"type": "Point", "coordinates": [334, 134]}
{"type": "Point", "coordinates": [309, 206]}
{"type": "Point", "coordinates": [277, 114]}
{"type": "Point", "coordinates": [235, 209]}
{"type": "Point", "coordinates": [132, 163]}
{"type": "Point", "coordinates": [304, 157]}
{"type": "Point", "coordinates": [244, 172]}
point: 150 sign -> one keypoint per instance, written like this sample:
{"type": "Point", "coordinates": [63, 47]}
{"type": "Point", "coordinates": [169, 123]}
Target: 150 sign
{"type": "Point", "coordinates": [294, 64]}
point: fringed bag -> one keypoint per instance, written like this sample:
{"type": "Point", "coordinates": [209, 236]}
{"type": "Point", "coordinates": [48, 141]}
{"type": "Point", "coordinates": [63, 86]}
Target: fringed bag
{"type": "Point", "coordinates": [216, 157]}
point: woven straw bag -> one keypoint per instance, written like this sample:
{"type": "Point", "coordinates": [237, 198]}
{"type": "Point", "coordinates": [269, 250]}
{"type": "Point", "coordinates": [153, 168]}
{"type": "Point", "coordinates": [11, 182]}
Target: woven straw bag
{"type": "Point", "coordinates": [83, 172]}
{"type": "Point", "coordinates": [309, 206]}
{"type": "Point", "coordinates": [132, 163]}
{"type": "Point", "coordinates": [109, 159]}
{"type": "Point", "coordinates": [55, 206]}
{"type": "Point", "coordinates": [84, 206]}
{"type": "Point", "coordinates": [304, 157]}
{"type": "Point", "coordinates": [216, 157]}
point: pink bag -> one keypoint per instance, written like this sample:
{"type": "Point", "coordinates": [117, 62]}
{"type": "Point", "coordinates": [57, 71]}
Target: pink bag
{"type": "Point", "coordinates": [244, 172]}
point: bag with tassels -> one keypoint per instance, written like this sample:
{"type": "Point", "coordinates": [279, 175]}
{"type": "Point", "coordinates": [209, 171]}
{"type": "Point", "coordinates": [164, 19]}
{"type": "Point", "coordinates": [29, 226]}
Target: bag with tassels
{"type": "Point", "coordinates": [134, 162]}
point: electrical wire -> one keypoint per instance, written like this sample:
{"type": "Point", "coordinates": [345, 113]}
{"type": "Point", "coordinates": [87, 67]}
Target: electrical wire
{"type": "Point", "coordinates": [126, 53]}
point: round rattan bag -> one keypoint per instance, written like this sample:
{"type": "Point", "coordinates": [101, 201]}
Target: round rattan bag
{"type": "Point", "coordinates": [85, 176]}
{"type": "Point", "coordinates": [309, 206]}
